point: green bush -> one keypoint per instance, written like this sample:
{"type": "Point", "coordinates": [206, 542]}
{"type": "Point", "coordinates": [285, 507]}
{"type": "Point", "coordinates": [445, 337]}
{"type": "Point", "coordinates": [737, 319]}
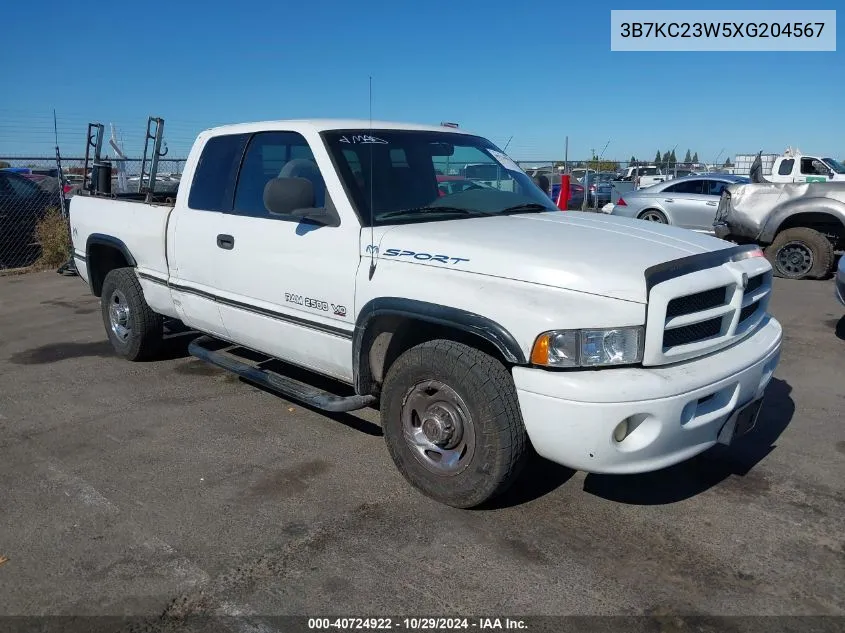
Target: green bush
{"type": "Point", "coordinates": [53, 235]}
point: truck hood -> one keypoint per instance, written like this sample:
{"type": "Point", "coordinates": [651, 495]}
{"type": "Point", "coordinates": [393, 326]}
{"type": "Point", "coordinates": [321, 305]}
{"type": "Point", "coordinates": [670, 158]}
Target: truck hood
{"type": "Point", "coordinates": [585, 252]}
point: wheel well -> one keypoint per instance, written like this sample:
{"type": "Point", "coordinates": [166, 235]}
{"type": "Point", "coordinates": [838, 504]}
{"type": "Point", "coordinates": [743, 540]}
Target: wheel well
{"type": "Point", "coordinates": [102, 259]}
{"type": "Point", "coordinates": [828, 225]}
{"type": "Point", "coordinates": [389, 336]}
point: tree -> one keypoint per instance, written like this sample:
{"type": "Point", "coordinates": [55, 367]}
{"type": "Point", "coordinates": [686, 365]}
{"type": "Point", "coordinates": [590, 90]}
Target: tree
{"type": "Point", "coordinates": [695, 158]}
{"type": "Point", "coordinates": [672, 160]}
{"type": "Point", "coordinates": [657, 158]}
{"type": "Point", "coordinates": [633, 161]}
{"type": "Point", "coordinates": [728, 163]}
{"type": "Point", "coordinates": [687, 158]}
{"type": "Point", "coordinates": [664, 162]}
{"type": "Point", "coordinates": [4, 164]}
{"type": "Point", "coordinates": [602, 165]}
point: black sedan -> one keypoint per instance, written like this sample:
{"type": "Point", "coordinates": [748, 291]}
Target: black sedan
{"type": "Point", "coordinates": [23, 202]}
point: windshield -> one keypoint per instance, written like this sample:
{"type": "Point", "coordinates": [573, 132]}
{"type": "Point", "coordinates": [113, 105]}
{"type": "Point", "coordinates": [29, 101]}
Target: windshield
{"type": "Point", "coordinates": [835, 165]}
{"type": "Point", "coordinates": [420, 176]}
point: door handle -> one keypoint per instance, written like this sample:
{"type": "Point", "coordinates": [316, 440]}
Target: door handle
{"type": "Point", "coordinates": [669, 200]}
{"type": "Point", "coordinates": [711, 204]}
{"type": "Point", "coordinates": [226, 242]}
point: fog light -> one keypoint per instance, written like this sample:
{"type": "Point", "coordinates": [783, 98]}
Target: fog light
{"type": "Point", "coordinates": [621, 430]}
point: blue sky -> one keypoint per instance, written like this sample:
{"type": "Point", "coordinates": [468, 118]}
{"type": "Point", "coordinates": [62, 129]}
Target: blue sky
{"type": "Point", "coordinates": [538, 73]}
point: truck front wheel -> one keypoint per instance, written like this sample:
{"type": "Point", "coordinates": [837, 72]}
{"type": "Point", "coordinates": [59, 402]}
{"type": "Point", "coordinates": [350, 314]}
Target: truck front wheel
{"type": "Point", "coordinates": [134, 330]}
{"type": "Point", "coordinates": [801, 253]}
{"type": "Point", "coordinates": [452, 423]}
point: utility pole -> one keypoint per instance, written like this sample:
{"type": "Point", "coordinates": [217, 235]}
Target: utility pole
{"type": "Point", "coordinates": [566, 157]}
{"type": "Point", "coordinates": [587, 180]}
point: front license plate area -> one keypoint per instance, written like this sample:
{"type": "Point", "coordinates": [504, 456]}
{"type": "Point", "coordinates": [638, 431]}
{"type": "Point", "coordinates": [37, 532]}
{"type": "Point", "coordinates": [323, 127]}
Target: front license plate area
{"type": "Point", "coordinates": [742, 420]}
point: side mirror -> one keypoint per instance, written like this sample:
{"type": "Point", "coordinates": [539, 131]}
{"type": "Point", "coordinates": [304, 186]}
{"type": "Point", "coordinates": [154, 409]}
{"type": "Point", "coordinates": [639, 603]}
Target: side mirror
{"type": "Point", "coordinates": [283, 196]}
{"type": "Point", "coordinates": [294, 198]}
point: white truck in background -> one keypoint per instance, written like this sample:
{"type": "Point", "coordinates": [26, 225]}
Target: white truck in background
{"type": "Point", "coordinates": [645, 176]}
{"type": "Point", "coordinates": [793, 166]}
{"type": "Point", "coordinates": [480, 323]}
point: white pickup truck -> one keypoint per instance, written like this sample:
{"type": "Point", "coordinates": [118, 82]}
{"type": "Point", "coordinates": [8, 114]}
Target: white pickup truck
{"type": "Point", "coordinates": [482, 322]}
{"type": "Point", "coordinates": [797, 167]}
{"type": "Point", "coordinates": [645, 176]}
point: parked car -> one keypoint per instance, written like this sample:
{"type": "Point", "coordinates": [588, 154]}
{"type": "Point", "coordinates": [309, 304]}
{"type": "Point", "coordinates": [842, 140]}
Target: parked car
{"type": "Point", "coordinates": [491, 175]}
{"type": "Point", "coordinates": [801, 225]}
{"type": "Point", "coordinates": [579, 172]}
{"type": "Point", "coordinates": [688, 202]}
{"type": "Point", "coordinates": [481, 324]}
{"type": "Point", "coordinates": [576, 192]}
{"type": "Point", "coordinates": [448, 185]}
{"type": "Point", "coordinates": [598, 187]}
{"type": "Point", "coordinates": [23, 203]}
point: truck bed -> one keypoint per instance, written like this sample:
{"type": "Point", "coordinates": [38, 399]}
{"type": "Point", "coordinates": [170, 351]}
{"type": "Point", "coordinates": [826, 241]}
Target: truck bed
{"type": "Point", "coordinates": [140, 226]}
{"type": "Point", "coordinates": [160, 198]}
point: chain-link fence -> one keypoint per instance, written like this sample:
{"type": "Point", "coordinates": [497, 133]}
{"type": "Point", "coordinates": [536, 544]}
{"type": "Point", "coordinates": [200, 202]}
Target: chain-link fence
{"type": "Point", "coordinates": [34, 202]}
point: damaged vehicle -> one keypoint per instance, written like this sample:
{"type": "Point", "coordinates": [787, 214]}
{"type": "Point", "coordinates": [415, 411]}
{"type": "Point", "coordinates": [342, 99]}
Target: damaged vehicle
{"type": "Point", "coordinates": [800, 225]}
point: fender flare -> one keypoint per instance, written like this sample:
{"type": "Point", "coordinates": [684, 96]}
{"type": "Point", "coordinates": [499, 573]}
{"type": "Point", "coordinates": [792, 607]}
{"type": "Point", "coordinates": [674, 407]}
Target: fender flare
{"type": "Point", "coordinates": [463, 320]}
{"type": "Point", "coordinates": [826, 206]}
{"type": "Point", "coordinates": [105, 240]}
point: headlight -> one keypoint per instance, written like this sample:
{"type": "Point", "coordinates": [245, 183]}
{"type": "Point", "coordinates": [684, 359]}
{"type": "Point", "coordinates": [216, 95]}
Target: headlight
{"type": "Point", "coordinates": [589, 348]}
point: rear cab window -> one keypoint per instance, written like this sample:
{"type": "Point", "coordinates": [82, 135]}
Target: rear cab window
{"type": "Point", "coordinates": [786, 166]}
{"type": "Point", "coordinates": [213, 186]}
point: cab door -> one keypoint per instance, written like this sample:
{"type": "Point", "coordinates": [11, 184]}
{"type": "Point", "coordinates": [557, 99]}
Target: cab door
{"type": "Point", "coordinates": [813, 170]}
{"type": "Point", "coordinates": [688, 204]}
{"type": "Point", "coordinates": [286, 287]}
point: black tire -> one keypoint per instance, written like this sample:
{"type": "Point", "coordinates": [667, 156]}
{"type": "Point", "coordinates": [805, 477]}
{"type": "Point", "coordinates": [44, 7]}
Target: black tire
{"type": "Point", "coordinates": [800, 253]}
{"type": "Point", "coordinates": [122, 294]}
{"type": "Point", "coordinates": [660, 217]}
{"type": "Point", "coordinates": [492, 432]}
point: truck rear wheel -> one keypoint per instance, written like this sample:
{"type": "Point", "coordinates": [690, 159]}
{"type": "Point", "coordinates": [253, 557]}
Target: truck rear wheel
{"type": "Point", "coordinates": [452, 423]}
{"type": "Point", "coordinates": [801, 253]}
{"type": "Point", "coordinates": [134, 330]}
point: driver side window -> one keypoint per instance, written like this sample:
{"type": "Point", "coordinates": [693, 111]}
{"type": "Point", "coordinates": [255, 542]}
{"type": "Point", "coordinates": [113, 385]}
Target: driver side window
{"type": "Point", "coordinates": [272, 155]}
{"type": "Point", "coordinates": [813, 167]}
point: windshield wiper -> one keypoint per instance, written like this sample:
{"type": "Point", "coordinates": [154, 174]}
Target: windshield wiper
{"type": "Point", "coordinates": [424, 210]}
{"type": "Point", "coordinates": [524, 208]}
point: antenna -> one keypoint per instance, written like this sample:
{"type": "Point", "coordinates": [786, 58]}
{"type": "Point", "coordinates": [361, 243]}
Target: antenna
{"type": "Point", "coordinates": [372, 248]}
{"type": "Point", "coordinates": [716, 160]}
{"type": "Point", "coordinates": [59, 167]}
{"type": "Point", "coordinates": [604, 150]}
